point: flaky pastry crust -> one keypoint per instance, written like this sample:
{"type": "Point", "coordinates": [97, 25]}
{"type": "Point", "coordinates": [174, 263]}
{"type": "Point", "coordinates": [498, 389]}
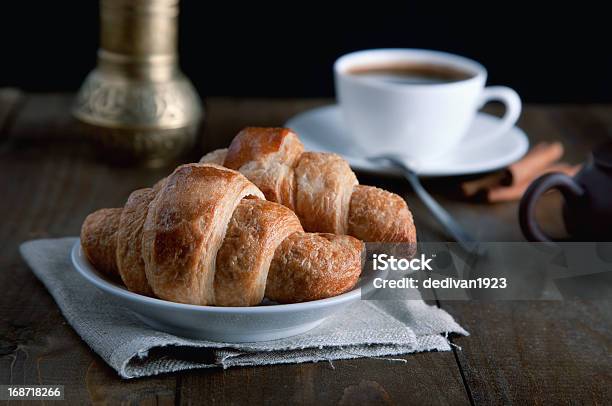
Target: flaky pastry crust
{"type": "Point", "coordinates": [377, 215]}
{"type": "Point", "coordinates": [256, 229]}
{"type": "Point", "coordinates": [266, 156]}
{"type": "Point", "coordinates": [216, 157]}
{"type": "Point", "coordinates": [317, 186]}
{"type": "Point", "coordinates": [129, 241]}
{"type": "Point", "coordinates": [325, 184]}
{"type": "Point", "coordinates": [99, 239]}
{"type": "Point", "coordinates": [311, 266]}
{"type": "Point", "coordinates": [184, 229]}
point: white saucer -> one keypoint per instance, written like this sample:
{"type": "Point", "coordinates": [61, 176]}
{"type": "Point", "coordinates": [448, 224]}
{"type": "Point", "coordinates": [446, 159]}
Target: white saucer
{"type": "Point", "coordinates": [322, 129]}
{"type": "Point", "coordinates": [222, 324]}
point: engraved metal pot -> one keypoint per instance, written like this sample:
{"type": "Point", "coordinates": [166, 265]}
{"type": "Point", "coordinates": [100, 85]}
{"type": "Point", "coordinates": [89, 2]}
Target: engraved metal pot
{"type": "Point", "coordinates": [137, 103]}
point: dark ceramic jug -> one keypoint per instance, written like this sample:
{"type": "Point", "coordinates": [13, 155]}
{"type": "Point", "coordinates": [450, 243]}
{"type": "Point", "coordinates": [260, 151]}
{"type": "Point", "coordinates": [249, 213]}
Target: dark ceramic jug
{"type": "Point", "coordinates": [587, 211]}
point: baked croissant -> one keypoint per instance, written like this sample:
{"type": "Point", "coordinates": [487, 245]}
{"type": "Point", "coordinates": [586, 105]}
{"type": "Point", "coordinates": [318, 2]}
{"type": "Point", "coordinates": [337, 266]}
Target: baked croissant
{"type": "Point", "coordinates": [204, 235]}
{"type": "Point", "coordinates": [320, 187]}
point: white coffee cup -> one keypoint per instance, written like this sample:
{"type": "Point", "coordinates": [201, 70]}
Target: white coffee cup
{"type": "Point", "coordinates": [415, 120]}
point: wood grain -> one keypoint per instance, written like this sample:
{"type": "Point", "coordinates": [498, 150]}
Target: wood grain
{"type": "Point", "coordinates": [518, 352]}
{"type": "Point", "coordinates": [10, 101]}
{"type": "Point", "coordinates": [536, 352]}
{"type": "Point", "coordinates": [426, 378]}
{"type": "Point", "coordinates": [54, 181]}
{"type": "Point", "coordinates": [540, 352]}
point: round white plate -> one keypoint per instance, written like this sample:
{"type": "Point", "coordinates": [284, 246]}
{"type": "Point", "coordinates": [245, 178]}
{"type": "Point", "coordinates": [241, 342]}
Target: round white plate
{"type": "Point", "coordinates": [224, 324]}
{"type": "Point", "coordinates": [322, 129]}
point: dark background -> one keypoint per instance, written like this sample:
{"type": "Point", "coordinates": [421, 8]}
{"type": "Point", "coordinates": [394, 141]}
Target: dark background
{"type": "Point", "coordinates": [236, 49]}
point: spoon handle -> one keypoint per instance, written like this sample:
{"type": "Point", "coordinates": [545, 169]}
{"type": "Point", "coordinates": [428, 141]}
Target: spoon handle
{"type": "Point", "coordinates": [452, 227]}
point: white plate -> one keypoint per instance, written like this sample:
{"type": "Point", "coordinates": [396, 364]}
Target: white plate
{"type": "Point", "coordinates": [224, 324]}
{"type": "Point", "coordinates": [322, 129]}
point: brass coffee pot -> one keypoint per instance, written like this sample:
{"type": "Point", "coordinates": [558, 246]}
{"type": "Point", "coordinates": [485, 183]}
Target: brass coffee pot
{"type": "Point", "coordinates": [137, 104]}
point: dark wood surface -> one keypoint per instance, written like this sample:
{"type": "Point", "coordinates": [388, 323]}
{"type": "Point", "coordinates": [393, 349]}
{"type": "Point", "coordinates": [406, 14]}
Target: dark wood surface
{"type": "Point", "coordinates": [518, 352]}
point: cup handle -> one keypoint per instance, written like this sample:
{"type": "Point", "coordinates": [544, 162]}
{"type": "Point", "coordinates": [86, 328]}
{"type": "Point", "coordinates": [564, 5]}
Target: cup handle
{"type": "Point", "coordinates": [568, 187]}
{"type": "Point", "coordinates": [510, 99]}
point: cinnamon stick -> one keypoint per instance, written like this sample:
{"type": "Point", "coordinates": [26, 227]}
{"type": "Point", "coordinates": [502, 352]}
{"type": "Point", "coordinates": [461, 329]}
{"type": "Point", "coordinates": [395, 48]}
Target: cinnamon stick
{"type": "Point", "coordinates": [473, 187]}
{"type": "Point", "coordinates": [535, 161]}
{"type": "Point", "coordinates": [515, 192]}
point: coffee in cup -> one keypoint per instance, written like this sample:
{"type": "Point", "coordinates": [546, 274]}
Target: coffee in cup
{"type": "Point", "coordinates": [415, 103]}
{"type": "Point", "coordinates": [411, 73]}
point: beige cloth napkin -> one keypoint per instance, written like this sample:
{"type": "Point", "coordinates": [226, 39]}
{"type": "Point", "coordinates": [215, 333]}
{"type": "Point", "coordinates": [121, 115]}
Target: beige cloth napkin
{"type": "Point", "coordinates": [367, 329]}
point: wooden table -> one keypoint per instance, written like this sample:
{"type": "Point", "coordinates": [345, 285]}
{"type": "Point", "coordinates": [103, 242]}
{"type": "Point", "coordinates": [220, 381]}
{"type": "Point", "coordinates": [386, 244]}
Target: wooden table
{"type": "Point", "coordinates": [524, 352]}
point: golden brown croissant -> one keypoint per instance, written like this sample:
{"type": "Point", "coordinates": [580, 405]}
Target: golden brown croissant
{"type": "Point", "coordinates": [205, 235]}
{"type": "Point", "coordinates": [100, 241]}
{"type": "Point", "coordinates": [320, 187]}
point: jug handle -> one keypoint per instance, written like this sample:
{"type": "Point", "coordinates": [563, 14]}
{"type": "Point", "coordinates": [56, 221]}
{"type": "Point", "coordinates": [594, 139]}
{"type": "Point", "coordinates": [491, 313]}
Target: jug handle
{"type": "Point", "coordinates": [568, 187]}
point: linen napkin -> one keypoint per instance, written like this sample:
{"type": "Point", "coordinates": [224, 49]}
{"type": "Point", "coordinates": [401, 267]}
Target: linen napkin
{"type": "Point", "coordinates": [366, 329]}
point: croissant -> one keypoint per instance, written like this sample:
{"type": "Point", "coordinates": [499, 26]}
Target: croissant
{"type": "Point", "coordinates": [204, 235]}
{"type": "Point", "coordinates": [320, 187]}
